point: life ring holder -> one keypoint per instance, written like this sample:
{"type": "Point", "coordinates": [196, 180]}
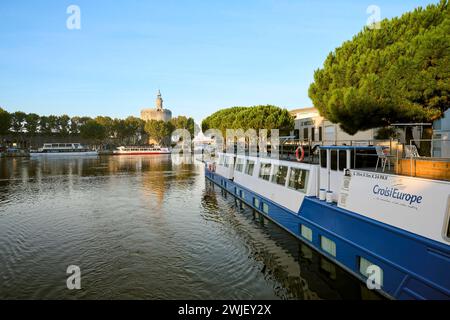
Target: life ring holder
{"type": "Point", "coordinates": [300, 154]}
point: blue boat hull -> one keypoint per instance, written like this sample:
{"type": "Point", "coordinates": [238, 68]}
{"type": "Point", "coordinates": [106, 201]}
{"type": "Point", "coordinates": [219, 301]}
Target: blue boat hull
{"type": "Point", "coordinates": [413, 267]}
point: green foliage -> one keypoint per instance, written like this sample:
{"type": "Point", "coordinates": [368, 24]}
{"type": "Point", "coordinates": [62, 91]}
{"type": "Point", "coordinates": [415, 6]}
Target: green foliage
{"type": "Point", "coordinates": [63, 124]}
{"type": "Point", "coordinates": [257, 117]}
{"type": "Point", "coordinates": [183, 122]}
{"type": "Point", "coordinates": [75, 123]}
{"type": "Point", "coordinates": [387, 133]}
{"type": "Point", "coordinates": [5, 121]}
{"type": "Point", "coordinates": [52, 122]}
{"type": "Point", "coordinates": [107, 123]}
{"type": "Point", "coordinates": [44, 126]}
{"type": "Point", "coordinates": [102, 129]}
{"type": "Point", "coordinates": [18, 119]}
{"type": "Point", "coordinates": [159, 130]}
{"type": "Point", "coordinates": [399, 73]}
{"type": "Point", "coordinates": [93, 130]}
{"type": "Point", "coordinates": [32, 123]}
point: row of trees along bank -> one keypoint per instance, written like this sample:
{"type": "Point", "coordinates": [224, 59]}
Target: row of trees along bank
{"type": "Point", "coordinates": [256, 117]}
{"type": "Point", "coordinates": [100, 130]}
{"type": "Point", "coordinates": [399, 73]}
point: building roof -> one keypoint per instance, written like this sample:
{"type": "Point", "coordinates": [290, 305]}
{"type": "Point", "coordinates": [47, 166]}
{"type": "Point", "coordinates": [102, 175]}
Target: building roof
{"type": "Point", "coordinates": [303, 110]}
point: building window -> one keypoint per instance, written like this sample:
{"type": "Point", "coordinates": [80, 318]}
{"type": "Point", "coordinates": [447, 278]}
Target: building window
{"type": "Point", "coordinates": [329, 133]}
{"type": "Point", "coordinates": [239, 164]}
{"type": "Point", "coordinates": [298, 179]}
{"type": "Point", "coordinates": [328, 246]}
{"type": "Point", "coordinates": [265, 208]}
{"type": "Point", "coordinates": [264, 171]}
{"type": "Point", "coordinates": [249, 167]}
{"type": "Point", "coordinates": [279, 175]}
{"type": "Point", "coordinates": [305, 133]}
{"type": "Point", "coordinates": [306, 233]}
{"type": "Point", "coordinates": [368, 269]}
{"type": "Point", "coordinates": [320, 133]}
{"type": "Point", "coordinates": [256, 202]}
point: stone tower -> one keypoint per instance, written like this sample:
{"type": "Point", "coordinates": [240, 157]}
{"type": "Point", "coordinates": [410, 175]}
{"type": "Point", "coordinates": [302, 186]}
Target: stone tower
{"type": "Point", "coordinates": [158, 113]}
{"type": "Point", "coordinates": [159, 101]}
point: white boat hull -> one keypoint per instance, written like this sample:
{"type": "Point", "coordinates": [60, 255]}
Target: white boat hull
{"type": "Point", "coordinates": [64, 154]}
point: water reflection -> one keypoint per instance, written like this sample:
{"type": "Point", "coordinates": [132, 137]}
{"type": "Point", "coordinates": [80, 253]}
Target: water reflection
{"type": "Point", "coordinates": [146, 227]}
{"type": "Point", "coordinates": [298, 271]}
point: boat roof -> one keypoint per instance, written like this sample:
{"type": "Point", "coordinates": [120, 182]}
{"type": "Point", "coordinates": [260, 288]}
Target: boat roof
{"type": "Point", "coordinates": [347, 147]}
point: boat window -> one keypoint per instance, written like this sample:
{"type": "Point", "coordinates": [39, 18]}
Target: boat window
{"type": "Point", "coordinates": [279, 175]}
{"type": "Point", "coordinates": [239, 164]}
{"type": "Point", "coordinates": [334, 159]}
{"type": "Point", "coordinates": [298, 179]}
{"type": "Point", "coordinates": [264, 171]}
{"type": "Point", "coordinates": [365, 158]}
{"type": "Point", "coordinates": [367, 268]}
{"type": "Point", "coordinates": [448, 230]}
{"type": "Point", "coordinates": [448, 219]}
{"type": "Point", "coordinates": [265, 208]}
{"type": "Point", "coordinates": [306, 233]}
{"type": "Point", "coordinates": [328, 245]}
{"type": "Point", "coordinates": [229, 162]}
{"type": "Point", "coordinates": [323, 158]}
{"type": "Point", "coordinates": [342, 160]}
{"type": "Point", "coordinates": [221, 160]}
{"type": "Point", "coordinates": [256, 202]}
{"type": "Point", "coordinates": [249, 167]}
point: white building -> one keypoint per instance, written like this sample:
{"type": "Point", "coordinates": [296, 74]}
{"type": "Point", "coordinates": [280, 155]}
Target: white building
{"type": "Point", "coordinates": [315, 128]}
{"type": "Point", "coordinates": [441, 136]}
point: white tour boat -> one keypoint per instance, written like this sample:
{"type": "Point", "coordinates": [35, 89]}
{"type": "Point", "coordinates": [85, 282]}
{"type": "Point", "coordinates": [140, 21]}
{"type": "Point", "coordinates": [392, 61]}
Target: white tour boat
{"type": "Point", "coordinates": [141, 150]}
{"type": "Point", "coordinates": [63, 149]}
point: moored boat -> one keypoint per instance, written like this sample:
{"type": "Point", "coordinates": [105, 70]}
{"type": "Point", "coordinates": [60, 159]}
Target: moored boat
{"type": "Point", "coordinates": [63, 149]}
{"type": "Point", "coordinates": [141, 150]}
{"type": "Point", "coordinates": [389, 230]}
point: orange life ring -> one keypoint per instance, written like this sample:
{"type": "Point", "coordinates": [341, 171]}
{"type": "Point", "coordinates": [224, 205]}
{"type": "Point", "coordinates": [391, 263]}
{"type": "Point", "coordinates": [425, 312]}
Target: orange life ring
{"type": "Point", "coordinates": [300, 156]}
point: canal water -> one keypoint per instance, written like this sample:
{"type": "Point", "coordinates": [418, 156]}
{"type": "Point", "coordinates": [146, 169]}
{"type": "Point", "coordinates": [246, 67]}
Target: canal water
{"type": "Point", "coordinates": [146, 228]}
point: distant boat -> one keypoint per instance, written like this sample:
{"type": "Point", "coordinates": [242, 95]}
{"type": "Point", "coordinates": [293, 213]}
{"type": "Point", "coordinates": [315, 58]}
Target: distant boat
{"type": "Point", "coordinates": [63, 149]}
{"type": "Point", "coordinates": [141, 150]}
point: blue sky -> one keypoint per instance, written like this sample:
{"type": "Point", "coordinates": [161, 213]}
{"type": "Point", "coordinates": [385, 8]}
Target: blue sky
{"type": "Point", "coordinates": [203, 54]}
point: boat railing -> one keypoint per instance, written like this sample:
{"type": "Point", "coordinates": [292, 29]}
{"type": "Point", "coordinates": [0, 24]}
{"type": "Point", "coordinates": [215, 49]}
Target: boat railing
{"type": "Point", "coordinates": [289, 145]}
{"type": "Point", "coordinates": [426, 158]}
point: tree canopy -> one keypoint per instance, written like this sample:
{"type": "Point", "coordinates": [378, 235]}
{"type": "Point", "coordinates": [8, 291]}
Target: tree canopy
{"type": "Point", "coordinates": [398, 73]}
{"type": "Point", "coordinates": [5, 121]}
{"type": "Point", "coordinates": [101, 129]}
{"type": "Point", "coordinates": [159, 130]}
{"type": "Point", "coordinates": [257, 117]}
{"type": "Point", "coordinates": [93, 130]}
{"type": "Point", "coordinates": [182, 122]}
